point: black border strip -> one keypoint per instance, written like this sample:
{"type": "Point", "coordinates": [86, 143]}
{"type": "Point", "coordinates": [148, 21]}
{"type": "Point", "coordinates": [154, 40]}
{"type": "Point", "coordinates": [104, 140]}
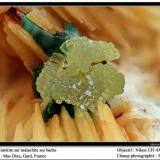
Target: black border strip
{"type": "Point", "coordinates": [79, 3]}
{"type": "Point", "coordinates": [79, 143]}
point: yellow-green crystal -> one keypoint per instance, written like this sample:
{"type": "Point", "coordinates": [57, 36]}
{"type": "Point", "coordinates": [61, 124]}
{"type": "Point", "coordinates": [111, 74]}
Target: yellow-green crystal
{"type": "Point", "coordinates": [74, 79]}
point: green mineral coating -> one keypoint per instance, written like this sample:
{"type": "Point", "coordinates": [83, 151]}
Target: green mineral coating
{"type": "Point", "coordinates": [51, 109]}
{"type": "Point", "coordinates": [70, 109]}
{"type": "Point", "coordinates": [71, 30]}
{"type": "Point", "coordinates": [35, 73]}
{"type": "Point", "coordinates": [50, 43]}
{"type": "Point", "coordinates": [72, 78]}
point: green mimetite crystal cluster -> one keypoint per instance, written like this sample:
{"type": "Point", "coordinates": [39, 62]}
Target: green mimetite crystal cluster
{"type": "Point", "coordinates": [78, 76]}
